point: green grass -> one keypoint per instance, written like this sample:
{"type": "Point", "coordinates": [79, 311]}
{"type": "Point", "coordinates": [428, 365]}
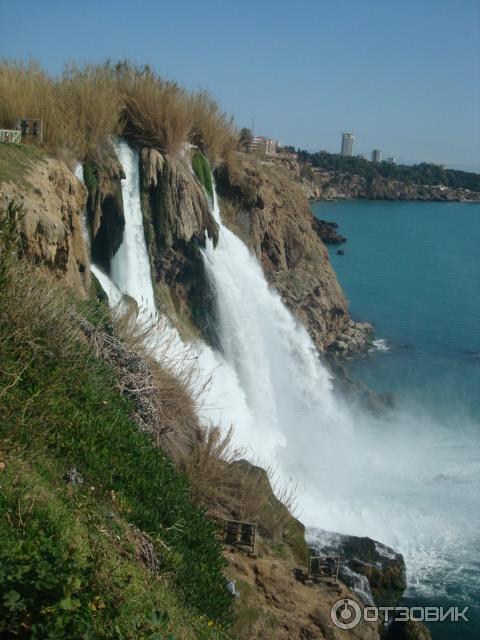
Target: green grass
{"type": "Point", "coordinates": [69, 559]}
{"type": "Point", "coordinates": [16, 160]}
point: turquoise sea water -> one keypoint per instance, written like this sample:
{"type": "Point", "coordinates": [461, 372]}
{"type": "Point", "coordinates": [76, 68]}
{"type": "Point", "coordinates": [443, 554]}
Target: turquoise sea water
{"type": "Point", "coordinates": [413, 269]}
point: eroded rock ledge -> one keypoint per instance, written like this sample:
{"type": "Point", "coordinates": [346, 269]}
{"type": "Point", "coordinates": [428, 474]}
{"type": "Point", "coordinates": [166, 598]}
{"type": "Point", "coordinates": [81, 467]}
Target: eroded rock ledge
{"type": "Point", "coordinates": [270, 212]}
{"type": "Point", "coordinates": [52, 202]}
{"type": "Point", "coordinates": [103, 174]}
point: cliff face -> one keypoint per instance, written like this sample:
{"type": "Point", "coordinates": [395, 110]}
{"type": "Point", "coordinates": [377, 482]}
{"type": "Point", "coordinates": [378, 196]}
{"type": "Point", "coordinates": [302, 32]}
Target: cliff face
{"type": "Point", "coordinates": [261, 202]}
{"type": "Point", "coordinates": [103, 174]}
{"type": "Point", "coordinates": [177, 218]}
{"type": "Point", "coordinates": [269, 210]}
{"type": "Point", "coordinates": [52, 201]}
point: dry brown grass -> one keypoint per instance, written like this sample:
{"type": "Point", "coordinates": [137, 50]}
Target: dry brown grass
{"type": "Point", "coordinates": [90, 103]}
{"type": "Point", "coordinates": [155, 112]}
{"type": "Point", "coordinates": [212, 130]}
{"type": "Point", "coordinates": [178, 386]}
{"type": "Point", "coordinates": [220, 478]}
{"type": "Point", "coordinates": [34, 309]}
{"type": "Point", "coordinates": [27, 92]}
{"type": "Point", "coordinates": [228, 486]}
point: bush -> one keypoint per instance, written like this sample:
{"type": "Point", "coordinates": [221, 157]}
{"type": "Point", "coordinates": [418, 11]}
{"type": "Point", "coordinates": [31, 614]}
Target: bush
{"type": "Point", "coordinates": [44, 591]}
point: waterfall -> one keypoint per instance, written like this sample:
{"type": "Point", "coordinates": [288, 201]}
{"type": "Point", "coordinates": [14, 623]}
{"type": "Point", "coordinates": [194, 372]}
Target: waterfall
{"type": "Point", "coordinates": [361, 474]}
{"type": "Point", "coordinates": [277, 365]}
{"type": "Point", "coordinates": [130, 266]}
{"type": "Point", "coordinates": [78, 171]}
{"type": "Point", "coordinates": [130, 275]}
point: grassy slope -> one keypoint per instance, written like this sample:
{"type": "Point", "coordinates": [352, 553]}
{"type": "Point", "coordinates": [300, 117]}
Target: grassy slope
{"type": "Point", "coordinates": [15, 160]}
{"type": "Point", "coordinates": [70, 561]}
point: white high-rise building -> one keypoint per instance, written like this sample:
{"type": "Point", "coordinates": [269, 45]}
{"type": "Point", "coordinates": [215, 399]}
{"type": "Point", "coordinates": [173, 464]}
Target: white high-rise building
{"type": "Point", "coordinates": [347, 144]}
{"type": "Point", "coordinates": [376, 155]}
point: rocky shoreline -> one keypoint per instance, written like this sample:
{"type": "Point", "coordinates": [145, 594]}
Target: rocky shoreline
{"type": "Point", "coordinates": [333, 185]}
{"type": "Point", "coordinates": [327, 231]}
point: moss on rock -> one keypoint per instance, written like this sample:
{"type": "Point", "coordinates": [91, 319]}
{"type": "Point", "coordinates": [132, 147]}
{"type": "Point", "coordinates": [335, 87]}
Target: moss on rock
{"type": "Point", "coordinates": [203, 172]}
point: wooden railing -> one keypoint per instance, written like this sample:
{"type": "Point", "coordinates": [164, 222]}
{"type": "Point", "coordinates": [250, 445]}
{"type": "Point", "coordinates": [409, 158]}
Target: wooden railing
{"type": "Point", "coordinates": [10, 135]}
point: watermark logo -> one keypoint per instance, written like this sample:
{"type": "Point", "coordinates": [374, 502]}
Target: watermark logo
{"type": "Point", "coordinates": [346, 614]}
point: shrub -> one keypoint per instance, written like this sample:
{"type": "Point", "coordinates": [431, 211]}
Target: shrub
{"type": "Point", "coordinates": [44, 591]}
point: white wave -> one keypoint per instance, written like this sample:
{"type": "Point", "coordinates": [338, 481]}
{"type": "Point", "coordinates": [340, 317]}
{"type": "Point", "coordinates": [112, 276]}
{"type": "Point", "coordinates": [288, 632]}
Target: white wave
{"type": "Point", "coordinates": [380, 345]}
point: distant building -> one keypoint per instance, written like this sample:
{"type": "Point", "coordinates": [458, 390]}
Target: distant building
{"type": "Point", "coordinates": [362, 156]}
{"type": "Point", "coordinates": [264, 145]}
{"type": "Point", "coordinates": [391, 160]}
{"type": "Point", "coordinates": [376, 155]}
{"type": "Point", "coordinates": [347, 144]}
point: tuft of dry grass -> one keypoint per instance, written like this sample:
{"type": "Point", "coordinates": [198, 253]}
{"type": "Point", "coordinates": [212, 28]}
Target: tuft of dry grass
{"type": "Point", "coordinates": [227, 485]}
{"type": "Point", "coordinates": [156, 113]}
{"type": "Point", "coordinates": [212, 130]}
{"type": "Point", "coordinates": [221, 479]}
{"type": "Point", "coordinates": [178, 386]}
{"type": "Point", "coordinates": [90, 103]}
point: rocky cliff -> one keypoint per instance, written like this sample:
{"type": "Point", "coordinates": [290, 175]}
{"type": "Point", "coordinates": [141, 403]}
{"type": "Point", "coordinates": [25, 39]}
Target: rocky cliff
{"type": "Point", "coordinates": [270, 212]}
{"type": "Point", "coordinates": [261, 202]}
{"type": "Point", "coordinates": [52, 203]}
{"type": "Point", "coordinates": [103, 174]}
{"type": "Point", "coordinates": [268, 209]}
{"type": "Point", "coordinates": [177, 218]}
{"type": "Point", "coordinates": [332, 185]}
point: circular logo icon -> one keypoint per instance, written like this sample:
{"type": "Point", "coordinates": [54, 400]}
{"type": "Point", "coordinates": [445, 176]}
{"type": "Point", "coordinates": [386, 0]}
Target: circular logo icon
{"type": "Point", "coordinates": [345, 614]}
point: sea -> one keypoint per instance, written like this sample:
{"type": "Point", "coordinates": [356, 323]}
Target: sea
{"type": "Point", "coordinates": [413, 270]}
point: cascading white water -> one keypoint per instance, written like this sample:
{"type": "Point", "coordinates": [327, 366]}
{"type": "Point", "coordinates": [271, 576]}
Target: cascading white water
{"type": "Point", "coordinates": [78, 171]}
{"type": "Point", "coordinates": [361, 474]}
{"type": "Point", "coordinates": [130, 266]}
{"type": "Point", "coordinates": [130, 274]}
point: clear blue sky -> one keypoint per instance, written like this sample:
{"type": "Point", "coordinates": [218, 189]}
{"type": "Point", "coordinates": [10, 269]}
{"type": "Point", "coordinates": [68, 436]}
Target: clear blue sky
{"type": "Point", "coordinates": [403, 75]}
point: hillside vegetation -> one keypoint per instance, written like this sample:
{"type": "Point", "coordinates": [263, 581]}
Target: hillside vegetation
{"type": "Point", "coordinates": [424, 173]}
{"type": "Point", "coordinates": [88, 104]}
{"type": "Point", "coordinates": [106, 476]}
{"type": "Point", "coordinates": [99, 537]}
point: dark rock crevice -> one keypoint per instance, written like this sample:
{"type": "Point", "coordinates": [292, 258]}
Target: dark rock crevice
{"type": "Point", "coordinates": [103, 174]}
{"type": "Point", "coordinates": [178, 219]}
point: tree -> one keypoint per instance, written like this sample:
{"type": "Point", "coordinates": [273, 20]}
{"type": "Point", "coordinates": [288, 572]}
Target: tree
{"type": "Point", "coordinates": [245, 139]}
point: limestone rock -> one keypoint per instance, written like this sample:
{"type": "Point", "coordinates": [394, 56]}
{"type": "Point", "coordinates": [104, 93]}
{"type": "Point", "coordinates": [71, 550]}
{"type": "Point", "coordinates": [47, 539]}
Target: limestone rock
{"type": "Point", "coordinates": [53, 201]}
{"type": "Point", "coordinates": [336, 185]}
{"type": "Point", "coordinates": [177, 219]}
{"type": "Point", "coordinates": [410, 630]}
{"type": "Point", "coordinates": [105, 204]}
{"type": "Point", "coordinates": [383, 567]}
{"type": "Point", "coordinates": [179, 206]}
{"type": "Point", "coordinates": [267, 208]}
{"type": "Point", "coordinates": [327, 231]}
